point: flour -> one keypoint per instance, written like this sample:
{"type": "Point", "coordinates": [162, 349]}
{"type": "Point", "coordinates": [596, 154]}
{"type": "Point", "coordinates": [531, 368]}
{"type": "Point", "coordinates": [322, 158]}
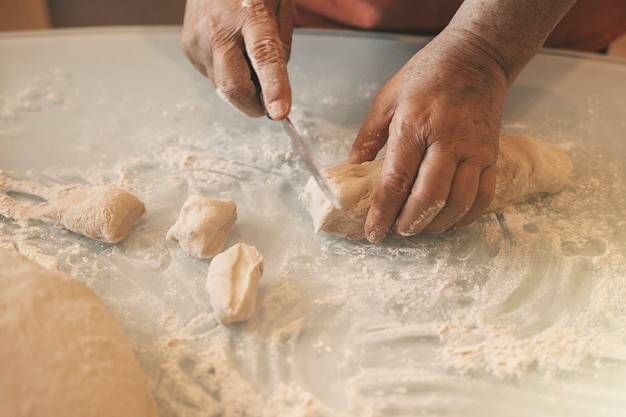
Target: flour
{"type": "Point", "coordinates": [491, 314]}
{"type": "Point", "coordinates": [29, 95]}
{"type": "Point", "coordinates": [496, 350]}
{"type": "Point", "coordinates": [575, 289]}
{"type": "Point", "coordinates": [224, 390]}
{"type": "Point", "coordinates": [473, 323]}
{"type": "Point", "coordinates": [487, 328]}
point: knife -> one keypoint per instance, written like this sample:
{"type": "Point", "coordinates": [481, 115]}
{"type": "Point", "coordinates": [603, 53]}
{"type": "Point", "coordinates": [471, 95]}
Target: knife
{"type": "Point", "coordinates": [301, 149]}
{"type": "Point", "coordinates": [297, 144]}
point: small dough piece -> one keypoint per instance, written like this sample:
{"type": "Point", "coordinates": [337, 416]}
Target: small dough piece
{"type": "Point", "coordinates": [62, 351]}
{"type": "Point", "coordinates": [203, 225]}
{"type": "Point", "coordinates": [103, 213]}
{"type": "Point", "coordinates": [527, 168]}
{"type": "Point", "coordinates": [233, 281]}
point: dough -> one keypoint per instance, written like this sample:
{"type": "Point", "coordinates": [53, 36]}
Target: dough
{"type": "Point", "coordinates": [203, 225]}
{"type": "Point", "coordinates": [62, 352]}
{"type": "Point", "coordinates": [233, 281]}
{"type": "Point", "coordinates": [102, 213]}
{"type": "Point", "coordinates": [354, 187]}
{"type": "Point", "coordinates": [527, 168]}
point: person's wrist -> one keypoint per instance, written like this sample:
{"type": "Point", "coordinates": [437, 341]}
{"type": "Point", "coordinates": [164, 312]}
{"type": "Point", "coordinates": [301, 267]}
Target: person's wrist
{"type": "Point", "coordinates": [494, 62]}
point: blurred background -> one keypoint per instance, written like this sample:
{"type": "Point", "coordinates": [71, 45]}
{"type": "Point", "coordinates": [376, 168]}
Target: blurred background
{"type": "Point", "coordinates": [45, 14]}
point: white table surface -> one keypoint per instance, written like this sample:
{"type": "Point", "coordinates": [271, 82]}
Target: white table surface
{"type": "Point", "coordinates": [521, 314]}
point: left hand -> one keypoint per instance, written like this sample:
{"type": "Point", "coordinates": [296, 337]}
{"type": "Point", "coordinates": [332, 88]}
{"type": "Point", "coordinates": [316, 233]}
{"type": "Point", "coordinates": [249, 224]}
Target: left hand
{"type": "Point", "coordinates": [440, 118]}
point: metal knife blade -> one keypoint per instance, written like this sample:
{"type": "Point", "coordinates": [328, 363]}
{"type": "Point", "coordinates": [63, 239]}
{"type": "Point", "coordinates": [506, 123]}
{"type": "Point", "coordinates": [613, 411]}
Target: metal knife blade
{"type": "Point", "coordinates": [301, 149]}
{"type": "Point", "coordinates": [297, 142]}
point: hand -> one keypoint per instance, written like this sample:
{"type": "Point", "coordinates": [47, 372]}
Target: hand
{"type": "Point", "coordinates": [223, 38]}
{"type": "Point", "coordinates": [440, 118]}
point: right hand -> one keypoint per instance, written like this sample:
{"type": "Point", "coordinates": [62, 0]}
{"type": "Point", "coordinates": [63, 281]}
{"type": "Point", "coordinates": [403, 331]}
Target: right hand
{"type": "Point", "coordinates": [223, 38]}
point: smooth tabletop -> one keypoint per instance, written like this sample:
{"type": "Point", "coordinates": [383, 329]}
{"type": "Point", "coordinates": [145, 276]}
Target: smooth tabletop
{"type": "Point", "coordinates": [521, 314]}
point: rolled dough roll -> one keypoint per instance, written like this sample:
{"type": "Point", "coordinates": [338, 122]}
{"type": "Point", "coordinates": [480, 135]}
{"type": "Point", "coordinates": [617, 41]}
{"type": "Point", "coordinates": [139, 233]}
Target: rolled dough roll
{"type": "Point", "coordinates": [102, 213]}
{"type": "Point", "coordinates": [527, 168]}
{"type": "Point", "coordinates": [233, 281]}
{"type": "Point", "coordinates": [203, 225]}
{"type": "Point", "coordinates": [62, 351]}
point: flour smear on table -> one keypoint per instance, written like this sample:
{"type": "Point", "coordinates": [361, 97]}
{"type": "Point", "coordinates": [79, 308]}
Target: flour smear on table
{"type": "Point", "coordinates": [531, 297]}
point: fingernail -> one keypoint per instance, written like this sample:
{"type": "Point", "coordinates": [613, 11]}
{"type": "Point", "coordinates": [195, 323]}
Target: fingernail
{"type": "Point", "coordinates": [376, 234]}
{"type": "Point", "coordinates": [278, 109]}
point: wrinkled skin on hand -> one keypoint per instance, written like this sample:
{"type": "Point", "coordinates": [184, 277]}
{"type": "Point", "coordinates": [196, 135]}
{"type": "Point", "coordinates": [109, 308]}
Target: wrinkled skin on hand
{"type": "Point", "coordinates": [439, 115]}
{"type": "Point", "coordinates": [222, 38]}
{"type": "Point", "coordinates": [440, 118]}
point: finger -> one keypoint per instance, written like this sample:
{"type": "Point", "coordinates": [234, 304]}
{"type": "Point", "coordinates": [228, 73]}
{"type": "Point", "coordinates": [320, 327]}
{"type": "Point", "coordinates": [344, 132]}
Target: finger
{"type": "Point", "coordinates": [267, 56]}
{"type": "Point", "coordinates": [484, 196]}
{"type": "Point", "coordinates": [286, 17]}
{"type": "Point", "coordinates": [460, 200]}
{"type": "Point", "coordinates": [428, 195]}
{"type": "Point", "coordinates": [233, 81]}
{"type": "Point", "coordinates": [374, 132]}
{"type": "Point", "coordinates": [398, 174]}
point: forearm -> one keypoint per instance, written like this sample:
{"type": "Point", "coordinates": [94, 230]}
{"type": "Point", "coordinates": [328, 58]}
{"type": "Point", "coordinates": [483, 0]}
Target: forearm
{"type": "Point", "coordinates": [508, 31]}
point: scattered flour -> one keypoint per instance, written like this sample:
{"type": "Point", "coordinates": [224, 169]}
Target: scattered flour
{"type": "Point", "coordinates": [342, 328]}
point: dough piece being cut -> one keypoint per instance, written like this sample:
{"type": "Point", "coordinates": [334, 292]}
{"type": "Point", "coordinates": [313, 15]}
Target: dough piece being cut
{"type": "Point", "coordinates": [233, 281]}
{"type": "Point", "coordinates": [354, 187]}
{"type": "Point", "coordinates": [527, 168]}
{"type": "Point", "coordinates": [203, 225]}
{"type": "Point", "coordinates": [62, 351]}
{"type": "Point", "coordinates": [102, 213]}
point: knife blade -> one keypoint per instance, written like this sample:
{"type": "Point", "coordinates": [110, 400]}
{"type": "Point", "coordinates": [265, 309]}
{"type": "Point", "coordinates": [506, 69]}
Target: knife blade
{"type": "Point", "coordinates": [301, 149]}
{"type": "Point", "coordinates": [297, 143]}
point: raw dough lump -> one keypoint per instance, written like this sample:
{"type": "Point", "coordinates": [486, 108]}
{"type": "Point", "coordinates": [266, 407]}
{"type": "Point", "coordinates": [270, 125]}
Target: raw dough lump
{"type": "Point", "coordinates": [102, 213]}
{"type": "Point", "coordinates": [233, 281]}
{"type": "Point", "coordinates": [527, 168]}
{"type": "Point", "coordinates": [62, 351]}
{"type": "Point", "coordinates": [203, 225]}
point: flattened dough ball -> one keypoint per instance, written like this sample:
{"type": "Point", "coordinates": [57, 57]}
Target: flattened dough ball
{"type": "Point", "coordinates": [203, 225]}
{"type": "Point", "coordinates": [527, 168]}
{"type": "Point", "coordinates": [62, 351]}
{"type": "Point", "coordinates": [233, 281]}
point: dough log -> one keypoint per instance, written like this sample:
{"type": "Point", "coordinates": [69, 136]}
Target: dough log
{"type": "Point", "coordinates": [233, 281]}
{"type": "Point", "coordinates": [203, 225]}
{"type": "Point", "coordinates": [527, 168]}
{"type": "Point", "coordinates": [62, 351]}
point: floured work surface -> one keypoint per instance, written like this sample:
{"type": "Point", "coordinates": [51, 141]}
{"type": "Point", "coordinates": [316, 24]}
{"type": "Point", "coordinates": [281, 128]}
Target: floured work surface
{"type": "Point", "coordinates": [522, 313]}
